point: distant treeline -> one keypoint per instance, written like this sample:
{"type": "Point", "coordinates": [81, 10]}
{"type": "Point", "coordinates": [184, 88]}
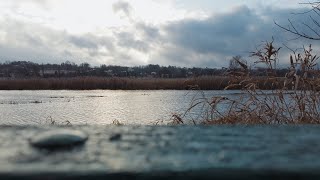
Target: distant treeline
{"type": "Point", "coordinates": [26, 69]}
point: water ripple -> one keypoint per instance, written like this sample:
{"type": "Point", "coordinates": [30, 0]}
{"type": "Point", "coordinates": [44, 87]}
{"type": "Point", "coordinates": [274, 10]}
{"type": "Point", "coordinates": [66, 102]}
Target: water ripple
{"type": "Point", "coordinates": [93, 107]}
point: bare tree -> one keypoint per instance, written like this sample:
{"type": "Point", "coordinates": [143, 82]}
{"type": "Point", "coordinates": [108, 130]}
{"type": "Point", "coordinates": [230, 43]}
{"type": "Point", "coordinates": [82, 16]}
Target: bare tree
{"type": "Point", "coordinates": [313, 27]}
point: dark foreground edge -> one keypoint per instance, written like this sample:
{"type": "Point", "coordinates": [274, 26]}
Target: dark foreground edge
{"type": "Point", "coordinates": [224, 174]}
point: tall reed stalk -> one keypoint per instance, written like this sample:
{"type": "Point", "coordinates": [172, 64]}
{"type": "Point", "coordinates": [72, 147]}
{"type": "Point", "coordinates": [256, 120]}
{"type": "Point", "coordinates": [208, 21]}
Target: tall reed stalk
{"type": "Point", "coordinates": [293, 99]}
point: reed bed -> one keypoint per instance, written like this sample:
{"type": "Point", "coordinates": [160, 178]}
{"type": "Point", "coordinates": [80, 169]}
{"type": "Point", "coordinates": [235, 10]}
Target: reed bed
{"type": "Point", "coordinates": [92, 83]}
{"type": "Point", "coordinates": [293, 99]}
{"type": "Point", "coordinates": [116, 83]}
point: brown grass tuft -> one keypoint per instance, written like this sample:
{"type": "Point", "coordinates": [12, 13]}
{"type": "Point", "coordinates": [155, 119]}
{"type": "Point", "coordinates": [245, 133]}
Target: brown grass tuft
{"type": "Point", "coordinates": [293, 99]}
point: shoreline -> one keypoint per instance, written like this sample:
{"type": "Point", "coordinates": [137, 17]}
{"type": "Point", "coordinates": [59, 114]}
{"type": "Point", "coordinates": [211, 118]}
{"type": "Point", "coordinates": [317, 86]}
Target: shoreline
{"type": "Point", "coordinates": [116, 83]}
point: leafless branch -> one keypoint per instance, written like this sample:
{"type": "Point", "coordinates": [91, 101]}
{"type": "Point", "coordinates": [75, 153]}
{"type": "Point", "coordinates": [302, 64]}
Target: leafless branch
{"type": "Point", "coordinates": [313, 30]}
{"type": "Point", "coordinates": [296, 32]}
{"type": "Point", "coordinates": [292, 28]}
{"type": "Point", "coordinates": [315, 21]}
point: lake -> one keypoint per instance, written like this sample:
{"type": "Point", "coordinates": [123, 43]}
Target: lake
{"type": "Point", "coordinates": [97, 107]}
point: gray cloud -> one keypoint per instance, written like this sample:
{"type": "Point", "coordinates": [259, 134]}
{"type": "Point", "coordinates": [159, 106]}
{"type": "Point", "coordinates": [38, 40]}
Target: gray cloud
{"type": "Point", "coordinates": [217, 38]}
{"type": "Point", "coordinates": [208, 42]}
{"type": "Point", "coordinates": [226, 34]}
{"type": "Point", "coordinates": [19, 40]}
{"type": "Point", "coordinates": [122, 7]}
{"type": "Point", "coordinates": [127, 39]}
{"type": "Point", "coordinates": [83, 42]}
{"type": "Point", "coordinates": [149, 31]}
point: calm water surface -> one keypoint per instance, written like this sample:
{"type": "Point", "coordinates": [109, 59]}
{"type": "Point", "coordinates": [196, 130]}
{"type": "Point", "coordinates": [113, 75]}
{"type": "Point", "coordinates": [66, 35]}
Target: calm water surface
{"type": "Point", "coordinates": [95, 107]}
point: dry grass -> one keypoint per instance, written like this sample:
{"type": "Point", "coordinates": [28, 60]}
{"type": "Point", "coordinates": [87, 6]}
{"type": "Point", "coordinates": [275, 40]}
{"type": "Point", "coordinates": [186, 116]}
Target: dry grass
{"type": "Point", "coordinates": [293, 99]}
{"type": "Point", "coordinates": [50, 121]}
{"type": "Point", "coordinates": [91, 83]}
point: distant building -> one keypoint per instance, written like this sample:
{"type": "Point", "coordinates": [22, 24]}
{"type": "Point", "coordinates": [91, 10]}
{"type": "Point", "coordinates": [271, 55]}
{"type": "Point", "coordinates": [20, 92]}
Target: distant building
{"type": "Point", "coordinates": [165, 75]}
{"type": "Point", "coordinates": [130, 70]}
{"type": "Point", "coordinates": [55, 72]}
{"type": "Point", "coordinates": [124, 73]}
{"type": "Point", "coordinates": [153, 74]}
{"type": "Point", "coordinates": [48, 72]}
{"type": "Point", "coordinates": [189, 74]}
{"type": "Point", "coordinates": [109, 72]}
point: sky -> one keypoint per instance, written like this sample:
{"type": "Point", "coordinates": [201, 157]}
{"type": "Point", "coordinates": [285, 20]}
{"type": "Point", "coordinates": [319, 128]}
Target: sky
{"type": "Point", "coordinates": [185, 33]}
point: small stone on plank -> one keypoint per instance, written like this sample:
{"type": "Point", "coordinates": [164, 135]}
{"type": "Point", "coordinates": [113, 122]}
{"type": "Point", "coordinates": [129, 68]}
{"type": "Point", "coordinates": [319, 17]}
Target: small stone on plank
{"type": "Point", "coordinates": [59, 139]}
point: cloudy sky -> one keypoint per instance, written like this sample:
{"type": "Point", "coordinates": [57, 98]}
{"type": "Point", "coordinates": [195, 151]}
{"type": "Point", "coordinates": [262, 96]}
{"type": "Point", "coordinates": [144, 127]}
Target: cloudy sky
{"type": "Point", "coordinates": [202, 33]}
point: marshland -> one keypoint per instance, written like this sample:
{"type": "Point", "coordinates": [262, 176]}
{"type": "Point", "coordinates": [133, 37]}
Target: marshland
{"type": "Point", "coordinates": [122, 100]}
{"type": "Point", "coordinates": [274, 79]}
{"type": "Point", "coordinates": [238, 97]}
{"type": "Point", "coordinates": [159, 89]}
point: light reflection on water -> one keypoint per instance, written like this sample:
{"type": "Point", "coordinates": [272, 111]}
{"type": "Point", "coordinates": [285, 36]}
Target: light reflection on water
{"type": "Point", "coordinates": [95, 107]}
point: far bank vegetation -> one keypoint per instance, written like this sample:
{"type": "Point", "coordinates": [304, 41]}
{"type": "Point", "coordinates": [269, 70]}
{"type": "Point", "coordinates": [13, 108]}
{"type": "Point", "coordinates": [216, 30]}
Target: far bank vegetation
{"type": "Point", "coordinates": [23, 75]}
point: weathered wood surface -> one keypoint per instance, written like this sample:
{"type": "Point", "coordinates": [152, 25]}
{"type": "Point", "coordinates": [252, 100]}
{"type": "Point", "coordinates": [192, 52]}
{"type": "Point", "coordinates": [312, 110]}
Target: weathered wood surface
{"type": "Point", "coordinates": [180, 152]}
